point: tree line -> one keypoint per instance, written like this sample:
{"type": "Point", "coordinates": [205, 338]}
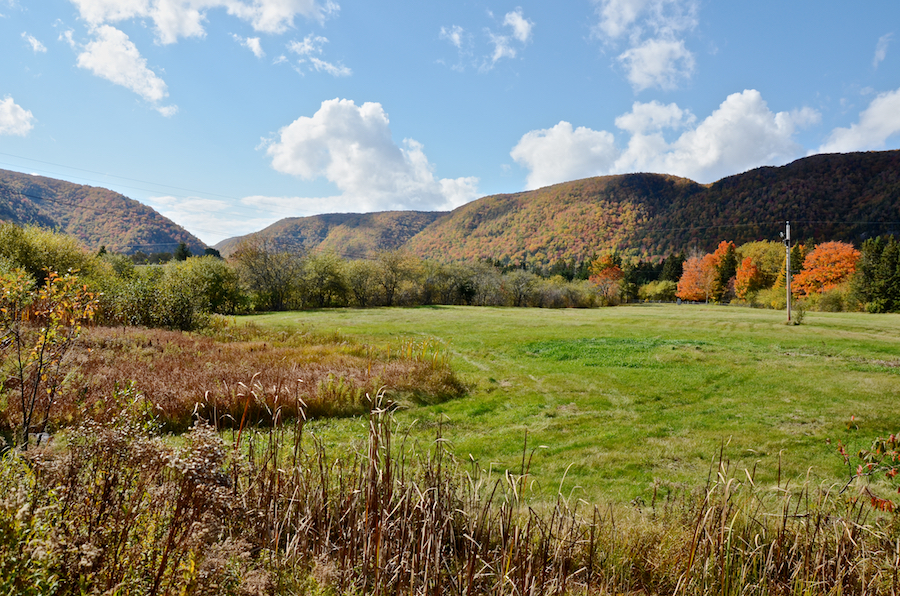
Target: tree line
{"type": "Point", "coordinates": [185, 290]}
{"type": "Point", "coordinates": [829, 276]}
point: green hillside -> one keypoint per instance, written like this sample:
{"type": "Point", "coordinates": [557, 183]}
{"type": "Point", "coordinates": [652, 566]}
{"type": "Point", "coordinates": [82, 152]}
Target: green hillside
{"type": "Point", "coordinates": [351, 235]}
{"type": "Point", "coordinates": [96, 216]}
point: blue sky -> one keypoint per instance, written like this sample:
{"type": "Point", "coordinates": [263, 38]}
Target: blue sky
{"type": "Point", "coordinates": [227, 115]}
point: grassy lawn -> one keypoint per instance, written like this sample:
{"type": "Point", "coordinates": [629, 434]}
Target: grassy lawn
{"type": "Point", "coordinates": [616, 400]}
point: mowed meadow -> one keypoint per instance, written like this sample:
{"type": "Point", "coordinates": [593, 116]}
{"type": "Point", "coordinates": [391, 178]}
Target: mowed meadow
{"type": "Point", "coordinates": [623, 403]}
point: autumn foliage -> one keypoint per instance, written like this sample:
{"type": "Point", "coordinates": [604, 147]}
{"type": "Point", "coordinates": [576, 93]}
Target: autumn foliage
{"type": "Point", "coordinates": [698, 279]}
{"type": "Point", "coordinates": [606, 275]}
{"type": "Point", "coordinates": [826, 266]}
{"type": "Point", "coordinates": [748, 278]}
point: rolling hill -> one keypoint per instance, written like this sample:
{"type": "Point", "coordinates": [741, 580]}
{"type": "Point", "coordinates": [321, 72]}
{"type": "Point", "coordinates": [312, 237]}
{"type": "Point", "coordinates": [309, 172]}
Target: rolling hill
{"type": "Point", "coordinates": [96, 216]}
{"type": "Point", "coordinates": [351, 235]}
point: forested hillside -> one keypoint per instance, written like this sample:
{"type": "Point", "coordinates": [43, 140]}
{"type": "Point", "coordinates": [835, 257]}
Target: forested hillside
{"type": "Point", "coordinates": [352, 235]}
{"type": "Point", "coordinates": [847, 197]}
{"type": "Point", "coordinates": [96, 216]}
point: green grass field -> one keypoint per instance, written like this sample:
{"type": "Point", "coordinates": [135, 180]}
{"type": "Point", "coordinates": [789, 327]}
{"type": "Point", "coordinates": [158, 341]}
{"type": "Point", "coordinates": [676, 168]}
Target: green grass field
{"type": "Point", "coordinates": [616, 400]}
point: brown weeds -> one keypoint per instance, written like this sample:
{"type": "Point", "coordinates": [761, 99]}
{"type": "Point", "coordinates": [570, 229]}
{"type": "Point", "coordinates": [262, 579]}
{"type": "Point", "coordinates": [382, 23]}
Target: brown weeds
{"type": "Point", "coordinates": [242, 374]}
{"type": "Point", "coordinates": [119, 511]}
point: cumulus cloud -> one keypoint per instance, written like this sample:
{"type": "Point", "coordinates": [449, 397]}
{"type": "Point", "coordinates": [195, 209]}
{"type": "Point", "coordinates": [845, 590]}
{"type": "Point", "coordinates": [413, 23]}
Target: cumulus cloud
{"type": "Point", "coordinates": [876, 123]}
{"type": "Point", "coordinates": [112, 56]}
{"type": "Point", "coordinates": [742, 133]}
{"type": "Point", "coordinates": [560, 153]}
{"type": "Point", "coordinates": [14, 120]}
{"type": "Point", "coordinates": [173, 19]}
{"type": "Point", "coordinates": [654, 31]}
{"type": "Point", "coordinates": [351, 146]}
{"type": "Point", "coordinates": [37, 46]}
{"type": "Point", "coordinates": [309, 50]}
{"type": "Point", "coordinates": [659, 63]}
{"type": "Point", "coordinates": [651, 116]}
{"type": "Point", "coordinates": [251, 43]}
{"type": "Point", "coordinates": [881, 49]}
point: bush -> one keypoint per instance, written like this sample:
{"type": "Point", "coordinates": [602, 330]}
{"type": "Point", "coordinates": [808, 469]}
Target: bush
{"type": "Point", "coordinates": [658, 290]}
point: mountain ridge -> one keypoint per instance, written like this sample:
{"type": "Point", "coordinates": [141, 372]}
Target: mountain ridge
{"type": "Point", "coordinates": [847, 197]}
{"type": "Point", "coordinates": [126, 225]}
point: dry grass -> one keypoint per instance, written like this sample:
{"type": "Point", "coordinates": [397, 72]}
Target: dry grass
{"type": "Point", "coordinates": [243, 374]}
{"type": "Point", "coordinates": [118, 511]}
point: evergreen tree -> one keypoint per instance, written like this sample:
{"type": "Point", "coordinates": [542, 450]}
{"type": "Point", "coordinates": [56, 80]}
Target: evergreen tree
{"type": "Point", "coordinates": [182, 252]}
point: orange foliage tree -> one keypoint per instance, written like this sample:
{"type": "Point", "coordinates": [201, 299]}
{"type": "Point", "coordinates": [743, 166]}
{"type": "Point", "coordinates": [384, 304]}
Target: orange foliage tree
{"type": "Point", "coordinates": [698, 279]}
{"type": "Point", "coordinates": [606, 275]}
{"type": "Point", "coordinates": [748, 278]}
{"type": "Point", "coordinates": [826, 266]}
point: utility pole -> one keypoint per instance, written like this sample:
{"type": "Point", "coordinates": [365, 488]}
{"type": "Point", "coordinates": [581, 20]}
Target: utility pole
{"type": "Point", "coordinates": [786, 236]}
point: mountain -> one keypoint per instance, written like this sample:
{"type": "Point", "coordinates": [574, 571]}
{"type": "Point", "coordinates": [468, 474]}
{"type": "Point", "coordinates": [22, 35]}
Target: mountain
{"type": "Point", "coordinates": [96, 216]}
{"type": "Point", "coordinates": [351, 235]}
{"type": "Point", "coordinates": [846, 197]}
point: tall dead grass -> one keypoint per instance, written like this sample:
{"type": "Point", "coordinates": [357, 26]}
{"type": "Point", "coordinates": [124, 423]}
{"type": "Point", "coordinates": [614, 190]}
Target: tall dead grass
{"type": "Point", "coordinates": [242, 373]}
{"type": "Point", "coordinates": [116, 510]}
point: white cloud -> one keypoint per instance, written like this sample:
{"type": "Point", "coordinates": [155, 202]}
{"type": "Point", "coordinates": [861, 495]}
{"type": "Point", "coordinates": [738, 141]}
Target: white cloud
{"type": "Point", "coordinates": [504, 45]}
{"type": "Point", "coordinates": [251, 43]}
{"type": "Point", "coordinates": [309, 49]}
{"type": "Point", "coordinates": [657, 63]}
{"type": "Point", "coordinates": [742, 133]}
{"type": "Point", "coordinates": [311, 44]}
{"type": "Point", "coordinates": [520, 25]}
{"type": "Point", "coordinates": [654, 32]}
{"type": "Point", "coordinates": [112, 56]}
{"type": "Point", "coordinates": [653, 116]}
{"type": "Point", "coordinates": [213, 220]}
{"type": "Point", "coordinates": [881, 49]}
{"type": "Point", "coordinates": [14, 120]}
{"type": "Point", "coordinates": [352, 147]}
{"type": "Point", "coordinates": [560, 153]}
{"type": "Point", "coordinates": [34, 43]}
{"type": "Point", "coordinates": [454, 35]}
{"type": "Point", "coordinates": [876, 123]}
{"type": "Point", "coordinates": [336, 70]}
{"type": "Point", "coordinates": [503, 48]}
{"type": "Point", "coordinates": [174, 19]}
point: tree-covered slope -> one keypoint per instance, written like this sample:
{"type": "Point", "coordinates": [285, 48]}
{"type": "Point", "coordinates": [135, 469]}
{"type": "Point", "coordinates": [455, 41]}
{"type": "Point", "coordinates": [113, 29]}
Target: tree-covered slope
{"type": "Point", "coordinates": [96, 216]}
{"type": "Point", "coordinates": [563, 221]}
{"type": "Point", "coordinates": [829, 197]}
{"type": "Point", "coordinates": [351, 235]}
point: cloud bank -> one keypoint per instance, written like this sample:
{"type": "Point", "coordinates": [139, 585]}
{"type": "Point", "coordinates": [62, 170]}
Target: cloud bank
{"type": "Point", "coordinates": [742, 133]}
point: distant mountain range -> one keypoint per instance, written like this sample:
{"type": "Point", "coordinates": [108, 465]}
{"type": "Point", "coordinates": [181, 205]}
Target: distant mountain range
{"type": "Point", "coordinates": [827, 197]}
{"type": "Point", "coordinates": [96, 216]}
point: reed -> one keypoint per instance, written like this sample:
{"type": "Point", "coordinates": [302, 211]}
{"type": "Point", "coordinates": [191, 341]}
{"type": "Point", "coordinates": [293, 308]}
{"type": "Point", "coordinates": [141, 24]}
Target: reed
{"type": "Point", "coordinates": [113, 508]}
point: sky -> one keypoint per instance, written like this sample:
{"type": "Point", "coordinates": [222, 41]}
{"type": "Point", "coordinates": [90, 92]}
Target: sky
{"type": "Point", "coordinates": [228, 115]}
